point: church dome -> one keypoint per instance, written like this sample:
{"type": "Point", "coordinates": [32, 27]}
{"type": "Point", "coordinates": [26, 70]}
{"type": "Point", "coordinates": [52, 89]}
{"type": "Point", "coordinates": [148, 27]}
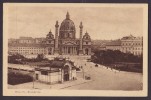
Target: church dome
{"type": "Point", "coordinates": [67, 28]}
{"type": "Point", "coordinates": [50, 35]}
{"type": "Point", "coordinates": [86, 36]}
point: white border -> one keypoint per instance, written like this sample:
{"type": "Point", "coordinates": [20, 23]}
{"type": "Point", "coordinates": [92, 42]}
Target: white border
{"type": "Point", "coordinates": [11, 92]}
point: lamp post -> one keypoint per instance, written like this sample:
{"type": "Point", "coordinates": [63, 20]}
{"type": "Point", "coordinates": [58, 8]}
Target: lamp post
{"type": "Point", "coordinates": [83, 71]}
{"type": "Point", "coordinates": [33, 78]}
{"type": "Point", "coordinates": [50, 75]}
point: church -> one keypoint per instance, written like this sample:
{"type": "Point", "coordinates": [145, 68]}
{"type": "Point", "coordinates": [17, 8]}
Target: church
{"type": "Point", "coordinates": [66, 41]}
{"type": "Point", "coordinates": [63, 43]}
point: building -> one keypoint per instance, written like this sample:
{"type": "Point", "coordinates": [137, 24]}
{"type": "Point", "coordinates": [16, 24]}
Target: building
{"type": "Point", "coordinates": [64, 42]}
{"type": "Point", "coordinates": [58, 71]}
{"type": "Point", "coordinates": [114, 45]}
{"type": "Point", "coordinates": [132, 45]}
{"type": "Point", "coordinates": [128, 44]}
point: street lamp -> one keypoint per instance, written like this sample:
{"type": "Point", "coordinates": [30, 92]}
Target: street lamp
{"type": "Point", "coordinates": [33, 78]}
{"type": "Point", "coordinates": [83, 71]}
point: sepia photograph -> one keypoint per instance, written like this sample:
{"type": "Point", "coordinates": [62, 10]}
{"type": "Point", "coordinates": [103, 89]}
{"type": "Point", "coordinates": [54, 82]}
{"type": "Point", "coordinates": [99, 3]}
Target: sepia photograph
{"type": "Point", "coordinates": [75, 49]}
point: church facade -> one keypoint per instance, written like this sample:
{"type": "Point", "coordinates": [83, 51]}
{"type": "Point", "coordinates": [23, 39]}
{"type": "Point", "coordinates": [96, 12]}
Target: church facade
{"type": "Point", "coordinates": [63, 43]}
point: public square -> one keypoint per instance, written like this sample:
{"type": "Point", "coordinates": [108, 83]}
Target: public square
{"type": "Point", "coordinates": [107, 79]}
{"type": "Point", "coordinates": [101, 78]}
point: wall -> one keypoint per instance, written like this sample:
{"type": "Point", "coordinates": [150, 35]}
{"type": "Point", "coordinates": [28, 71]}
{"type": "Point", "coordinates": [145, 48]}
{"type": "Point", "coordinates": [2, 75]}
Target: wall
{"type": "Point", "coordinates": [54, 77]}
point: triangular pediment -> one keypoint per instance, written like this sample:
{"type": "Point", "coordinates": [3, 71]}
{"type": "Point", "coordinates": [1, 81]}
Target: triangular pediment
{"type": "Point", "coordinates": [70, 43]}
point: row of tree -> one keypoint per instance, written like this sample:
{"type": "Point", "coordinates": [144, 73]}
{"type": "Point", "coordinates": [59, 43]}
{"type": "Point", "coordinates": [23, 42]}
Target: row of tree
{"type": "Point", "coordinates": [18, 78]}
{"type": "Point", "coordinates": [20, 59]}
{"type": "Point", "coordinates": [110, 57]}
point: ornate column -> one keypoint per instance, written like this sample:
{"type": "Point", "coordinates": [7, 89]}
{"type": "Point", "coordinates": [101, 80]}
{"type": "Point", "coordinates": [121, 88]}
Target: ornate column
{"type": "Point", "coordinates": [65, 50]}
{"type": "Point", "coordinates": [61, 50]}
{"type": "Point", "coordinates": [72, 50]}
{"type": "Point", "coordinates": [75, 50]}
{"type": "Point", "coordinates": [81, 29]}
{"type": "Point", "coordinates": [56, 51]}
{"type": "Point", "coordinates": [89, 51]}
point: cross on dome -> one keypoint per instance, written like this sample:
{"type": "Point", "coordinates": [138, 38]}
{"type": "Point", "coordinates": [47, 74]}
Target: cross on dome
{"type": "Point", "coordinates": [67, 15]}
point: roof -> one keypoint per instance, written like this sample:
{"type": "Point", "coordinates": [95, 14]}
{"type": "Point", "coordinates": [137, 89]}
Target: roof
{"type": "Point", "coordinates": [99, 42]}
{"type": "Point", "coordinates": [20, 66]}
{"type": "Point", "coordinates": [103, 45]}
{"type": "Point", "coordinates": [25, 38]}
{"type": "Point", "coordinates": [40, 38]}
{"type": "Point", "coordinates": [26, 45]}
{"type": "Point", "coordinates": [130, 37]}
{"type": "Point", "coordinates": [114, 43]}
{"type": "Point", "coordinates": [57, 63]}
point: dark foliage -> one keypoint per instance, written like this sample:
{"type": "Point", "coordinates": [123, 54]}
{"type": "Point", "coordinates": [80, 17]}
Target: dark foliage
{"type": "Point", "coordinates": [16, 59]}
{"type": "Point", "coordinates": [18, 78]}
{"type": "Point", "coordinates": [20, 59]}
{"type": "Point", "coordinates": [122, 61]}
{"type": "Point", "coordinates": [110, 56]}
{"type": "Point", "coordinates": [77, 69]}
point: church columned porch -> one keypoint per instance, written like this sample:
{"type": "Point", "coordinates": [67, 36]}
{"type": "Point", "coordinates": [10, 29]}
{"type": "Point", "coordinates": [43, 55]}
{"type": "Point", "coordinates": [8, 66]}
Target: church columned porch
{"type": "Point", "coordinates": [69, 50]}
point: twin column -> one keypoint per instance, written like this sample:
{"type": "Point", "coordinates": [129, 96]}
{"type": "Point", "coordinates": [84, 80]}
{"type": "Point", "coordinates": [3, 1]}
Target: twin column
{"type": "Point", "coordinates": [56, 38]}
{"type": "Point", "coordinates": [72, 50]}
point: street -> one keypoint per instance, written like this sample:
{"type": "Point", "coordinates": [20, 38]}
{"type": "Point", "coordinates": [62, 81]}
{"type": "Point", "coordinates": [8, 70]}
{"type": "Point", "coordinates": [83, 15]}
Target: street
{"type": "Point", "coordinates": [107, 79]}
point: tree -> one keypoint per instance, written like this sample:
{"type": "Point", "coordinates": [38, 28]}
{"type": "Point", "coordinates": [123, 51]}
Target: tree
{"type": "Point", "coordinates": [40, 57]}
{"type": "Point", "coordinates": [16, 59]}
{"type": "Point", "coordinates": [110, 57]}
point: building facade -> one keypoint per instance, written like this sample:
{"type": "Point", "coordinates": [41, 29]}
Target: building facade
{"type": "Point", "coordinates": [132, 45]}
{"type": "Point", "coordinates": [114, 45]}
{"type": "Point", "coordinates": [128, 44]}
{"type": "Point", "coordinates": [64, 42]}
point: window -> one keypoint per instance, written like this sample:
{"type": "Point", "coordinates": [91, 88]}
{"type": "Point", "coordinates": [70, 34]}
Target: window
{"type": "Point", "coordinates": [44, 73]}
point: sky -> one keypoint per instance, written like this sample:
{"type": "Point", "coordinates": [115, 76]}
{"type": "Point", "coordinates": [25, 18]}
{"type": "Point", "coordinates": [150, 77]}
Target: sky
{"type": "Point", "coordinates": [102, 22]}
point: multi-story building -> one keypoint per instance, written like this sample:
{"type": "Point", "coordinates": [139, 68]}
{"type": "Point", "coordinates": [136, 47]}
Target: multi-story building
{"type": "Point", "coordinates": [132, 45]}
{"type": "Point", "coordinates": [114, 45]}
{"type": "Point", "coordinates": [64, 43]}
{"type": "Point", "coordinates": [128, 44]}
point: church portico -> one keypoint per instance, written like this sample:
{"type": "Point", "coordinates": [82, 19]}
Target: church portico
{"type": "Point", "coordinates": [69, 50]}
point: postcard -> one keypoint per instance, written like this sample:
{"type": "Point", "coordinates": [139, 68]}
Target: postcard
{"type": "Point", "coordinates": [83, 49]}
